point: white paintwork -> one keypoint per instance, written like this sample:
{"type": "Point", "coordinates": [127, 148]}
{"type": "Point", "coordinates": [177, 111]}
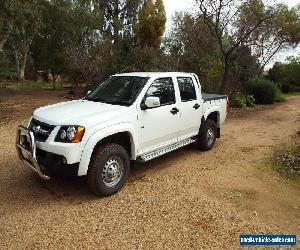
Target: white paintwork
{"type": "Point", "coordinates": [149, 129]}
{"type": "Point", "coordinates": [152, 102]}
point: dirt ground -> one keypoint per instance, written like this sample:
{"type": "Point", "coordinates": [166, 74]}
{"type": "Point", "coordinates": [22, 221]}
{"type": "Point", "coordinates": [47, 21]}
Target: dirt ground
{"type": "Point", "coordinates": [185, 200]}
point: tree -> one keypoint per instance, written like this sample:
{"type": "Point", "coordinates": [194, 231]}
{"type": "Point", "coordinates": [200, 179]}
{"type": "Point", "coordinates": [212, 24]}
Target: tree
{"type": "Point", "coordinates": [230, 28]}
{"type": "Point", "coordinates": [7, 13]}
{"type": "Point", "coordinates": [190, 51]}
{"type": "Point", "coordinates": [66, 25]}
{"type": "Point", "coordinates": [151, 24]}
{"type": "Point", "coordinates": [27, 21]}
{"type": "Point", "coordinates": [287, 74]}
{"type": "Point", "coordinates": [47, 45]}
{"type": "Point", "coordinates": [118, 17]}
{"type": "Point", "coordinates": [87, 49]}
{"type": "Point", "coordinates": [279, 32]}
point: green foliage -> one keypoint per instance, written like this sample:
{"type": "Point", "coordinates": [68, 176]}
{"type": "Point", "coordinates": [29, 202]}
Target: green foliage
{"type": "Point", "coordinates": [188, 51]}
{"type": "Point", "coordinates": [7, 69]}
{"type": "Point", "coordinates": [66, 26]}
{"type": "Point", "coordinates": [89, 40]}
{"type": "Point", "coordinates": [287, 75]}
{"type": "Point", "coordinates": [151, 24]}
{"type": "Point", "coordinates": [279, 97]}
{"type": "Point", "coordinates": [249, 101]}
{"type": "Point", "coordinates": [264, 91]}
{"type": "Point", "coordinates": [288, 23]}
{"type": "Point", "coordinates": [241, 101]}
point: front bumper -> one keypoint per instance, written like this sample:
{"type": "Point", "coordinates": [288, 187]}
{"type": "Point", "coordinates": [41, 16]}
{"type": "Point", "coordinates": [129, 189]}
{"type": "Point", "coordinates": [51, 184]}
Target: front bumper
{"type": "Point", "coordinates": [26, 148]}
{"type": "Point", "coordinates": [43, 162]}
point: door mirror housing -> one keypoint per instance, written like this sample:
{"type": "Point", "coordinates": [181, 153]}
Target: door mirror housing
{"type": "Point", "coordinates": [150, 102]}
{"type": "Point", "coordinates": [89, 91]}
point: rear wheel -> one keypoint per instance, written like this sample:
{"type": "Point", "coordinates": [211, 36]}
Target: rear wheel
{"type": "Point", "coordinates": [108, 170]}
{"type": "Point", "coordinates": [208, 135]}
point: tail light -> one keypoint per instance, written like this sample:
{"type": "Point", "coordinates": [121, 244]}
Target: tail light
{"type": "Point", "coordinates": [227, 104]}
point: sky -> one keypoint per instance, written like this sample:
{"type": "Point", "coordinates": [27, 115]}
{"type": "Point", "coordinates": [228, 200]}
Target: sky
{"type": "Point", "coordinates": [172, 6]}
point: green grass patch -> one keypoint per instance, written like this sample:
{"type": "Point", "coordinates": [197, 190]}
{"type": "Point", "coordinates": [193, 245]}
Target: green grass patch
{"type": "Point", "coordinates": [38, 85]}
{"type": "Point", "coordinates": [291, 94]}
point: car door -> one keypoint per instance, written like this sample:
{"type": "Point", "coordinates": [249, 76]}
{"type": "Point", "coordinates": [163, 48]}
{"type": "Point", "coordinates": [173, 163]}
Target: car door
{"type": "Point", "coordinates": [159, 126]}
{"type": "Point", "coordinates": [190, 107]}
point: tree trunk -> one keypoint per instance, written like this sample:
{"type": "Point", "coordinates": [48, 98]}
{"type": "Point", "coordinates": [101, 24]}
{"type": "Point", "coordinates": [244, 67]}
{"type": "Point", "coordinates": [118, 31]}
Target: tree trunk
{"type": "Point", "coordinates": [3, 39]}
{"type": "Point", "coordinates": [17, 61]}
{"type": "Point", "coordinates": [22, 68]}
{"type": "Point", "coordinates": [54, 77]}
{"type": "Point", "coordinates": [24, 61]}
{"type": "Point", "coordinates": [224, 82]}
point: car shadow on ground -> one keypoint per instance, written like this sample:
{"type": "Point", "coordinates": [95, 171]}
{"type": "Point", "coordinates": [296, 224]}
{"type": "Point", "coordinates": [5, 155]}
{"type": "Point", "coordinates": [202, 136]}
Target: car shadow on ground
{"type": "Point", "coordinates": [75, 189]}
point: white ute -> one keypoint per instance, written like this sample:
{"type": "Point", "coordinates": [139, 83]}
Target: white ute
{"type": "Point", "coordinates": [129, 117]}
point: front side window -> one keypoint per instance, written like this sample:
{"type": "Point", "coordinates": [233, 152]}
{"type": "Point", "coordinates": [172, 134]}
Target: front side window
{"type": "Point", "coordinates": [187, 89]}
{"type": "Point", "coordinates": [118, 90]}
{"type": "Point", "coordinates": [164, 89]}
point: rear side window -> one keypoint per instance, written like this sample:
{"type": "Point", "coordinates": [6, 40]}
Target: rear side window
{"type": "Point", "coordinates": [186, 88]}
{"type": "Point", "coordinates": [164, 89]}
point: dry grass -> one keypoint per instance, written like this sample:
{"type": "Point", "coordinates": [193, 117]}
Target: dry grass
{"type": "Point", "coordinates": [286, 161]}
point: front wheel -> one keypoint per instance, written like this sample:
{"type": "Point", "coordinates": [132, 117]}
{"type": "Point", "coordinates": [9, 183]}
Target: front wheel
{"type": "Point", "coordinates": [108, 170]}
{"type": "Point", "coordinates": [207, 136]}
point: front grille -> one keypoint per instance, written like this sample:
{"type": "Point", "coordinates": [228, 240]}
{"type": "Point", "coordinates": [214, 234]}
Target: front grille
{"type": "Point", "coordinates": [40, 130]}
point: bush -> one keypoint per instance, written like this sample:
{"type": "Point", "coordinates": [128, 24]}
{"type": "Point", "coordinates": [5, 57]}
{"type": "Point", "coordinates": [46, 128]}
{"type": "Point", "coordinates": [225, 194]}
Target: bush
{"type": "Point", "coordinates": [249, 101]}
{"type": "Point", "coordinates": [279, 97]}
{"type": "Point", "coordinates": [241, 101]}
{"type": "Point", "coordinates": [264, 91]}
{"type": "Point", "coordinates": [286, 88]}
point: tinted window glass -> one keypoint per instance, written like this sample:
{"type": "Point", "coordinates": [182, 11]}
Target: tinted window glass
{"type": "Point", "coordinates": [120, 90]}
{"type": "Point", "coordinates": [164, 89]}
{"type": "Point", "coordinates": [187, 89]}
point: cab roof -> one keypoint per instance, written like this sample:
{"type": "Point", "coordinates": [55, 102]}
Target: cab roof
{"type": "Point", "coordinates": [155, 74]}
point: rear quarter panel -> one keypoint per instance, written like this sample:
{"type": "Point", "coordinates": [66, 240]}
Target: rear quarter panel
{"type": "Point", "coordinates": [215, 106]}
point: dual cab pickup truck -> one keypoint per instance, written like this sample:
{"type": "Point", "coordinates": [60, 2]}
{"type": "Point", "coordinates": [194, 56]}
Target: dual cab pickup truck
{"type": "Point", "coordinates": [129, 117]}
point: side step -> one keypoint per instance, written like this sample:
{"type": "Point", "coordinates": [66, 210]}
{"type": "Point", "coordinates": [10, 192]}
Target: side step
{"type": "Point", "coordinates": [165, 150]}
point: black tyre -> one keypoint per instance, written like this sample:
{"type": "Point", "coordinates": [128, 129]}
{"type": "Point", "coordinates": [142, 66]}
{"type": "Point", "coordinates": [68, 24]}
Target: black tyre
{"type": "Point", "coordinates": [207, 135]}
{"type": "Point", "coordinates": [108, 170]}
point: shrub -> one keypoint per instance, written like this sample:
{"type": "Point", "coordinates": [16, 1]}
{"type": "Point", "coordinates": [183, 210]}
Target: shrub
{"type": "Point", "coordinates": [249, 101]}
{"type": "Point", "coordinates": [286, 87]}
{"type": "Point", "coordinates": [237, 102]}
{"type": "Point", "coordinates": [279, 97]}
{"type": "Point", "coordinates": [241, 101]}
{"type": "Point", "coordinates": [264, 91]}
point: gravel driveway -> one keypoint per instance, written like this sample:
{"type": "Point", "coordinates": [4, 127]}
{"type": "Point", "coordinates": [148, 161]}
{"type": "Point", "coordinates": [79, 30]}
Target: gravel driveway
{"type": "Point", "coordinates": [185, 200]}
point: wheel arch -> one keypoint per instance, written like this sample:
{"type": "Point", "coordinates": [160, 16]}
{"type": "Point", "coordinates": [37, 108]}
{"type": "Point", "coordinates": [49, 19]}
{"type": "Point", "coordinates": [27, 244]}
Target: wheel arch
{"type": "Point", "coordinates": [122, 135]}
{"type": "Point", "coordinates": [213, 114]}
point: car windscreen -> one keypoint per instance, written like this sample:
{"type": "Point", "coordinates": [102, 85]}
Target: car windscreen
{"type": "Point", "coordinates": [118, 90]}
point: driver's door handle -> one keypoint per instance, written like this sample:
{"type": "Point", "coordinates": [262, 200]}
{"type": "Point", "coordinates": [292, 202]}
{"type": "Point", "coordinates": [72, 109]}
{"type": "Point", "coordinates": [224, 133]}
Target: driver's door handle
{"type": "Point", "coordinates": [196, 106]}
{"type": "Point", "coordinates": [174, 111]}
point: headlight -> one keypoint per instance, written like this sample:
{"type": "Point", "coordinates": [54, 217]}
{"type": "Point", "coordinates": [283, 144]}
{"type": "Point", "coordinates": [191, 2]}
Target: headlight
{"type": "Point", "coordinates": [70, 134]}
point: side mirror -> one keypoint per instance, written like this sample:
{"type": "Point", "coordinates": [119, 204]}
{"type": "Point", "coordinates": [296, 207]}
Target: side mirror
{"type": "Point", "coordinates": [89, 91]}
{"type": "Point", "coordinates": [150, 102]}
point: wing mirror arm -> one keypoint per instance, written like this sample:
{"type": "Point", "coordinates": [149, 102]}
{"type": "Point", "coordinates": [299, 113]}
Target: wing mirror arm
{"type": "Point", "coordinates": [143, 105]}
